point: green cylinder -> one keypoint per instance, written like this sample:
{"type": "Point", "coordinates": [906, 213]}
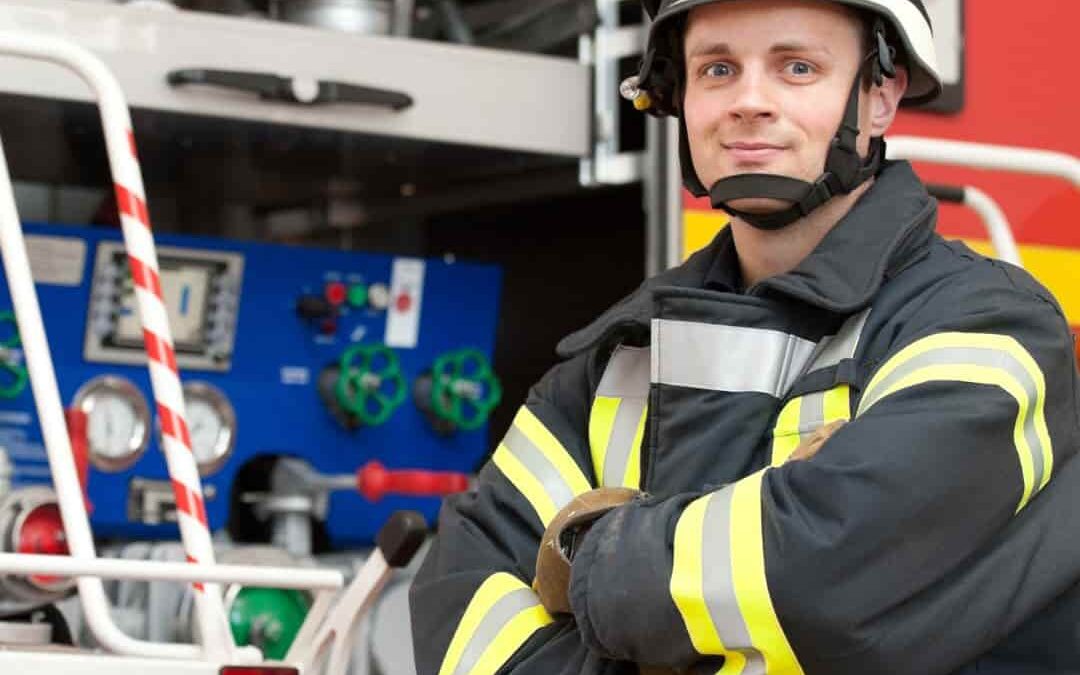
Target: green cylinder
{"type": "Point", "coordinates": [268, 618]}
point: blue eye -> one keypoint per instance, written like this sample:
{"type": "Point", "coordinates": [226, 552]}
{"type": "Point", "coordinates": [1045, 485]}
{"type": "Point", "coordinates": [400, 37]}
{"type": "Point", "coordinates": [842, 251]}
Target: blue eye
{"type": "Point", "coordinates": [800, 68]}
{"type": "Point", "coordinates": [717, 70]}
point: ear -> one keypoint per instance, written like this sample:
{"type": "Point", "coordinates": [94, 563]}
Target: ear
{"type": "Point", "coordinates": [885, 101]}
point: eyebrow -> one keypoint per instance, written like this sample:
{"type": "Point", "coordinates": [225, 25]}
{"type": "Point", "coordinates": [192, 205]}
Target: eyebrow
{"type": "Point", "coordinates": [723, 49]}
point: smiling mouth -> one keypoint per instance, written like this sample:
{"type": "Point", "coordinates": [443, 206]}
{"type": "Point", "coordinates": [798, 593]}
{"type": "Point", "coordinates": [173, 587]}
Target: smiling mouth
{"type": "Point", "coordinates": [749, 145]}
{"type": "Point", "coordinates": [752, 152]}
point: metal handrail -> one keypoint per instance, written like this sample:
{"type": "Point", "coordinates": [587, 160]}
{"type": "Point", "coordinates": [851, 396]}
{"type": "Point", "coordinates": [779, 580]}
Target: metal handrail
{"type": "Point", "coordinates": [985, 156]}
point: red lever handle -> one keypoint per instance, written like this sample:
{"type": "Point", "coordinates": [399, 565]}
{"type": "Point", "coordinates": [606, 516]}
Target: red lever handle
{"type": "Point", "coordinates": [374, 481]}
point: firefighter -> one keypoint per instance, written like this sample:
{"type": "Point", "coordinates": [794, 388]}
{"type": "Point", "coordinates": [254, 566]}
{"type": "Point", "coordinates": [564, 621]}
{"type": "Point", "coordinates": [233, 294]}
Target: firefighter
{"type": "Point", "coordinates": [664, 463]}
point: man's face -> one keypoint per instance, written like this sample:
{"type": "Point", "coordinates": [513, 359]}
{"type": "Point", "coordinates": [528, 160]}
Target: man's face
{"type": "Point", "coordinates": [766, 86]}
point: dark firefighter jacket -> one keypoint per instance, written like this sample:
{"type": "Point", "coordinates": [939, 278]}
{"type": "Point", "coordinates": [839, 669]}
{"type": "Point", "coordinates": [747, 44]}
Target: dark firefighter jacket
{"type": "Point", "coordinates": [937, 532]}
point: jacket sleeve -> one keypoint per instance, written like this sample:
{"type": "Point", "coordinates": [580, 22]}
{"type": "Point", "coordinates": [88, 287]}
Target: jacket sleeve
{"type": "Point", "coordinates": [473, 609]}
{"type": "Point", "coordinates": [910, 544]}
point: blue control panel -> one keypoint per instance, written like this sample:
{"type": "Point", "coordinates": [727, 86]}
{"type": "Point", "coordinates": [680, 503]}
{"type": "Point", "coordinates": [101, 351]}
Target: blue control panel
{"type": "Point", "coordinates": [284, 352]}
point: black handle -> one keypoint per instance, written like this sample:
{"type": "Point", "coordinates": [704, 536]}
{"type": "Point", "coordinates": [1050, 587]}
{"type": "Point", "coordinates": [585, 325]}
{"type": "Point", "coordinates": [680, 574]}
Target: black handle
{"type": "Point", "coordinates": [290, 90]}
{"type": "Point", "coordinates": [341, 92]}
{"type": "Point", "coordinates": [401, 536]}
{"type": "Point", "coordinates": [946, 193]}
{"type": "Point", "coordinates": [263, 84]}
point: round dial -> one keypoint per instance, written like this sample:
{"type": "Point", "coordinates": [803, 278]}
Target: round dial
{"type": "Point", "coordinates": [117, 421]}
{"type": "Point", "coordinates": [212, 425]}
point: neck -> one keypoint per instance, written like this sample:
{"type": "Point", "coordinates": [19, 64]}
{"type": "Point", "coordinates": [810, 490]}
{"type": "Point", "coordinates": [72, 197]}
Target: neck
{"type": "Point", "coordinates": [767, 253]}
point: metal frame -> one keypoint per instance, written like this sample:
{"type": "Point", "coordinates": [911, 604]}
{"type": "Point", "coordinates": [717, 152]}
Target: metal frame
{"type": "Point", "coordinates": [606, 164]}
{"type": "Point", "coordinates": [993, 218]}
{"type": "Point", "coordinates": [326, 635]}
{"type": "Point", "coordinates": [463, 95]}
{"type": "Point", "coordinates": [985, 156]}
{"type": "Point", "coordinates": [993, 157]}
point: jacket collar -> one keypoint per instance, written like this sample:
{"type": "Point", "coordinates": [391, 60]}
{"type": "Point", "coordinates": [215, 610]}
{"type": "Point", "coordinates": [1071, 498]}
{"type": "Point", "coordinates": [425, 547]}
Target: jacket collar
{"type": "Point", "coordinates": [887, 230]}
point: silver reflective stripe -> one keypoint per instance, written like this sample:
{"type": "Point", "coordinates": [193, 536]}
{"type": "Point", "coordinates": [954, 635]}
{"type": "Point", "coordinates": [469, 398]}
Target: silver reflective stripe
{"type": "Point", "coordinates": [836, 348]}
{"type": "Point", "coordinates": [990, 358]}
{"type": "Point", "coordinates": [498, 616]}
{"type": "Point", "coordinates": [627, 373]}
{"type": "Point", "coordinates": [718, 585]}
{"type": "Point", "coordinates": [727, 358]}
{"type": "Point", "coordinates": [538, 465]}
{"type": "Point", "coordinates": [621, 444]}
{"type": "Point", "coordinates": [812, 412]}
{"type": "Point", "coordinates": [625, 379]}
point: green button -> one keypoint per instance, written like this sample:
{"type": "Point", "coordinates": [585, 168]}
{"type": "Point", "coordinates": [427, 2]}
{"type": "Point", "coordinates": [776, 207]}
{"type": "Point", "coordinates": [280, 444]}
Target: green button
{"type": "Point", "coordinates": [358, 295]}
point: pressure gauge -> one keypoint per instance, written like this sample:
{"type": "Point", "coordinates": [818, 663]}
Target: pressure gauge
{"type": "Point", "coordinates": [117, 421]}
{"type": "Point", "coordinates": [212, 425]}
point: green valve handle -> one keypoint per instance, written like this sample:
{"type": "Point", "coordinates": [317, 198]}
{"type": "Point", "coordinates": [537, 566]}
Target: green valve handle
{"type": "Point", "coordinates": [15, 372]}
{"type": "Point", "coordinates": [464, 388]}
{"type": "Point", "coordinates": [370, 384]}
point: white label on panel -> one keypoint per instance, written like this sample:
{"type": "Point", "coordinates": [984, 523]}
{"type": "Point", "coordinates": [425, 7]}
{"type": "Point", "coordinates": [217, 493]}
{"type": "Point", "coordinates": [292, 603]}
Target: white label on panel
{"type": "Point", "coordinates": [295, 375]}
{"type": "Point", "coordinates": [406, 292]}
{"type": "Point", "coordinates": [56, 260]}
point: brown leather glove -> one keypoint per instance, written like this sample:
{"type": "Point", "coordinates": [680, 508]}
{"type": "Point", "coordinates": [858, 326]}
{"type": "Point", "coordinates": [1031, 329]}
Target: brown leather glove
{"type": "Point", "coordinates": [552, 581]}
{"type": "Point", "coordinates": [810, 446]}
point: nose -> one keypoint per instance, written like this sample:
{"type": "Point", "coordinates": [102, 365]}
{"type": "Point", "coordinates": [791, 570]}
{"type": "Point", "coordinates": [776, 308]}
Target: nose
{"type": "Point", "coordinates": [753, 100]}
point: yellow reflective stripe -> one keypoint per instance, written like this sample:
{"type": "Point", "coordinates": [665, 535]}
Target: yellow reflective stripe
{"type": "Point", "coordinates": [734, 662]}
{"type": "Point", "coordinates": [786, 433]}
{"type": "Point", "coordinates": [601, 422]}
{"type": "Point", "coordinates": [602, 434]}
{"type": "Point", "coordinates": [616, 420]}
{"type": "Point", "coordinates": [633, 465]}
{"type": "Point", "coordinates": [505, 639]}
{"type": "Point", "coordinates": [527, 484]}
{"type": "Point", "coordinates": [510, 639]}
{"type": "Point", "coordinates": [687, 584]}
{"type": "Point", "coordinates": [718, 582]}
{"type": "Point", "coordinates": [543, 439]}
{"type": "Point", "coordinates": [838, 404]}
{"type": "Point", "coordinates": [980, 358]}
{"type": "Point", "coordinates": [538, 465]}
{"type": "Point", "coordinates": [751, 585]}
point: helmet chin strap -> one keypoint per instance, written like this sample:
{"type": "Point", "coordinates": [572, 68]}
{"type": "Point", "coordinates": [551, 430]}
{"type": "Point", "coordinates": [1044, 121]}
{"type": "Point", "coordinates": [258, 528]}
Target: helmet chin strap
{"type": "Point", "coordinates": [844, 169]}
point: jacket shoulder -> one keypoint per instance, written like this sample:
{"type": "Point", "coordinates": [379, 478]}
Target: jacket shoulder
{"type": "Point", "coordinates": [991, 272]}
{"type": "Point", "coordinates": [953, 281]}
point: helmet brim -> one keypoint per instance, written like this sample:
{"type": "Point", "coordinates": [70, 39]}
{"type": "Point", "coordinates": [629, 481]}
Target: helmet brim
{"type": "Point", "coordinates": [908, 22]}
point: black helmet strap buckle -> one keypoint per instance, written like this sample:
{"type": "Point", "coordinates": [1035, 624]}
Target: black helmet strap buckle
{"type": "Point", "coordinates": [885, 63]}
{"type": "Point", "coordinates": [844, 169]}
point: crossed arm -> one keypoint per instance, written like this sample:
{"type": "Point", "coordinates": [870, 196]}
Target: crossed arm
{"type": "Point", "coordinates": [892, 550]}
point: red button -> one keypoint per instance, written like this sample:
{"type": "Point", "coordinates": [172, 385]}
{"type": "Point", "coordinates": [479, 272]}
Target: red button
{"type": "Point", "coordinates": [328, 327]}
{"type": "Point", "coordinates": [403, 302]}
{"type": "Point", "coordinates": [335, 293]}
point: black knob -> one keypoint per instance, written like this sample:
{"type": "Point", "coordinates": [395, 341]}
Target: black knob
{"type": "Point", "coordinates": [401, 536]}
{"type": "Point", "coordinates": [313, 307]}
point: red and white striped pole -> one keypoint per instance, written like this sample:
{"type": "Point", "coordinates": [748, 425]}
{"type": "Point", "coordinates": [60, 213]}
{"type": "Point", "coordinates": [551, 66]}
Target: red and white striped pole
{"type": "Point", "coordinates": [164, 376]}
